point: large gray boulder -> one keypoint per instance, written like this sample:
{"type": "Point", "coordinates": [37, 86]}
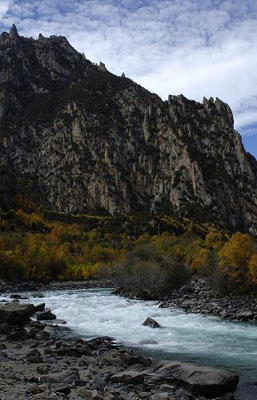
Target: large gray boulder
{"type": "Point", "coordinates": [200, 381]}
{"type": "Point", "coordinates": [15, 313]}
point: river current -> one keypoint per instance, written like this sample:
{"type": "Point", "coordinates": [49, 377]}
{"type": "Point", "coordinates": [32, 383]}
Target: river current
{"type": "Point", "coordinates": [196, 338]}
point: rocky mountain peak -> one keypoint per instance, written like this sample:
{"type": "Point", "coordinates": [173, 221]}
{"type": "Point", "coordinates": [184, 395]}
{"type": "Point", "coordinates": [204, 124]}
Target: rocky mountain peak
{"type": "Point", "coordinates": [86, 140]}
{"type": "Point", "coordinates": [13, 33]}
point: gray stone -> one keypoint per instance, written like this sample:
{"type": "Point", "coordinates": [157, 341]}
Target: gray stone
{"type": "Point", "coordinates": [201, 381]}
{"type": "Point", "coordinates": [45, 315]}
{"type": "Point", "coordinates": [151, 323]}
{"type": "Point", "coordinates": [128, 377]}
{"type": "Point", "coordinates": [14, 313]}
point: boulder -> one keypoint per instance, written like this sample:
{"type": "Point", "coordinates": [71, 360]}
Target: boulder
{"type": "Point", "coordinates": [40, 307]}
{"type": "Point", "coordinates": [245, 315]}
{"type": "Point", "coordinates": [61, 388]}
{"type": "Point", "coordinates": [151, 323]}
{"type": "Point", "coordinates": [15, 313]}
{"type": "Point", "coordinates": [34, 357]}
{"type": "Point", "coordinates": [42, 335]}
{"type": "Point", "coordinates": [5, 329]}
{"type": "Point", "coordinates": [45, 315]}
{"type": "Point", "coordinates": [38, 295]}
{"type": "Point", "coordinates": [19, 335]}
{"type": "Point", "coordinates": [200, 381]}
{"type": "Point", "coordinates": [69, 376]}
{"type": "Point", "coordinates": [128, 378]}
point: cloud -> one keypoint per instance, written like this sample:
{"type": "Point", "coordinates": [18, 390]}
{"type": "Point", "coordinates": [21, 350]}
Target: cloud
{"type": "Point", "coordinates": [195, 47]}
{"type": "Point", "coordinates": [4, 7]}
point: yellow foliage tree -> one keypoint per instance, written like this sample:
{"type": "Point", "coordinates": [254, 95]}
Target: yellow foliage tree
{"type": "Point", "coordinates": [234, 258]}
{"type": "Point", "coordinates": [253, 268]}
{"type": "Point", "coordinates": [199, 263]}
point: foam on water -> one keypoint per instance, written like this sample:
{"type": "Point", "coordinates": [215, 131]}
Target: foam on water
{"type": "Point", "coordinates": [191, 337]}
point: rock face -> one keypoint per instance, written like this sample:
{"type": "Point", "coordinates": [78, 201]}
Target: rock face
{"type": "Point", "coordinates": [87, 140]}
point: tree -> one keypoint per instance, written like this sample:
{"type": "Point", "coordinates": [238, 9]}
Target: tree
{"type": "Point", "coordinates": [253, 268]}
{"type": "Point", "coordinates": [234, 258]}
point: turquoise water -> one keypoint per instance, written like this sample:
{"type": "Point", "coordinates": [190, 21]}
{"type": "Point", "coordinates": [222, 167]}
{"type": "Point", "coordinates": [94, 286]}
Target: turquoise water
{"type": "Point", "coordinates": [192, 337]}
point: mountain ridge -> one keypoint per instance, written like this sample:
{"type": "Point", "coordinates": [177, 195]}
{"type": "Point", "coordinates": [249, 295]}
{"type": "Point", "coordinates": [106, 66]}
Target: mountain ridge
{"type": "Point", "coordinates": [88, 140]}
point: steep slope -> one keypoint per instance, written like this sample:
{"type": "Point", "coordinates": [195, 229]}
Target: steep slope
{"type": "Point", "coordinates": [89, 140]}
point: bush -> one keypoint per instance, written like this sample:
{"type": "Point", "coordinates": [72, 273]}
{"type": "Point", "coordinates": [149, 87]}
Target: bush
{"type": "Point", "coordinates": [146, 274]}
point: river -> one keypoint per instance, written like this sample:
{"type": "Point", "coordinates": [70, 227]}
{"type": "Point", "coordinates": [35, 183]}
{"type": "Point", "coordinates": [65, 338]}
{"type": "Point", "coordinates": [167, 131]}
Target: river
{"type": "Point", "coordinates": [186, 337]}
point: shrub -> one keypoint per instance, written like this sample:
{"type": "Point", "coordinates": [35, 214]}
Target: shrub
{"type": "Point", "coordinates": [146, 274]}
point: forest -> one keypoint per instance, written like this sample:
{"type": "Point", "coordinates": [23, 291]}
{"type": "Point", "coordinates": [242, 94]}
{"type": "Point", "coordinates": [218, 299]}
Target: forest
{"type": "Point", "coordinates": [150, 254]}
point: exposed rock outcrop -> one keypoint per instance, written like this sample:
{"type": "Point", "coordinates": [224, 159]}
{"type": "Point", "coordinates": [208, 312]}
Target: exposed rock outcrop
{"type": "Point", "coordinates": [88, 140]}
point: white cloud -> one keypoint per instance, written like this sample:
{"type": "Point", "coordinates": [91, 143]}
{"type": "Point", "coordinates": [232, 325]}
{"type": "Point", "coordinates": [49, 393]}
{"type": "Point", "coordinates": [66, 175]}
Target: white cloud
{"type": "Point", "coordinates": [195, 47]}
{"type": "Point", "coordinates": [4, 7]}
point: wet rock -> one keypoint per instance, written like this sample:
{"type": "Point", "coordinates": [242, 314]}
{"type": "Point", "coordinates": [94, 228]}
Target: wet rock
{"type": "Point", "coordinates": [46, 315]}
{"type": "Point", "coordinates": [40, 307]}
{"type": "Point", "coordinates": [151, 323]}
{"type": "Point", "coordinates": [128, 378]}
{"type": "Point", "coordinates": [15, 296]}
{"type": "Point", "coordinates": [14, 313]}
{"type": "Point", "coordinates": [148, 341]}
{"type": "Point", "coordinates": [37, 295]}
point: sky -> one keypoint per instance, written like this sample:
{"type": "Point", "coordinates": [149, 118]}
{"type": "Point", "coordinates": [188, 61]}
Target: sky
{"type": "Point", "coordinates": [194, 47]}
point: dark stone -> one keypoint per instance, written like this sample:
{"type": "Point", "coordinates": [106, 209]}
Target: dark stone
{"type": "Point", "coordinates": [137, 359]}
{"type": "Point", "coordinates": [45, 315]}
{"type": "Point", "coordinates": [42, 335]}
{"type": "Point", "coordinates": [151, 323]}
{"type": "Point", "coordinates": [34, 357]}
{"type": "Point", "coordinates": [40, 307]}
{"type": "Point", "coordinates": [19, 335]}
{"type": "Point", "coordinates": [5, 329]}
{"type": "Point", "coordinates": [128, 378]}
{"type": "Point", "coordinates": [14, 313]}
{"type": "Point", "coordinates": [200, 381]}
{"type": "Point", "coordinates": [61, 388]}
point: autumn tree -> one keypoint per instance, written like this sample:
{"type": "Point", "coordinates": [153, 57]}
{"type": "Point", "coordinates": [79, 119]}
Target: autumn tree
{"type": "Point", "coordinates": [234, 258]}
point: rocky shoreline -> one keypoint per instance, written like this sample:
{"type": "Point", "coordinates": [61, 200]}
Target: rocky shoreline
{"type": "Point", "coordinates": [198, 297]}
{"type": "Point", "coordinates": [195, 297]}
{"type": "Point", "coordinates": [30, 286]}
{"type": "Point", "coordinates": [46, 361]}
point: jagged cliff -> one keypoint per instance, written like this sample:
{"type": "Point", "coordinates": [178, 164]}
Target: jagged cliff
{"type": "Point", "coordinates": [87, 140]}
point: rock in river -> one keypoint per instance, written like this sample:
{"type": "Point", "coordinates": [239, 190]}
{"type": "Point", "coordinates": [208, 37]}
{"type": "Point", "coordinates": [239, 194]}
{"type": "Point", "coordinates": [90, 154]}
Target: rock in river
{"type": "Point", "coordinates": [151, 323]}
{"type": "Point", "coordinates": [45, 315]}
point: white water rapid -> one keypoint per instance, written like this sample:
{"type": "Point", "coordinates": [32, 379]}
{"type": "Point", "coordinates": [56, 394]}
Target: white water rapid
{"type": "Point", "coordinates": [187, 337]}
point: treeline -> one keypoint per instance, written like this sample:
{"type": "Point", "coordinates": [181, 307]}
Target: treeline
{"type": "Point", "coordinates": [148, 264]}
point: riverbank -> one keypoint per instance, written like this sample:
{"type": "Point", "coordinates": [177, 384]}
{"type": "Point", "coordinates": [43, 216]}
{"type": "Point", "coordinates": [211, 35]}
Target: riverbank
{"type": "Point", "coordinates": [195, 297]}
{"type": "Point", "coordinates": [198, 297]}
{"type": "Point", "coordinates": [34, 286]}
{"type": "Point", "coordinates": [39, 361]}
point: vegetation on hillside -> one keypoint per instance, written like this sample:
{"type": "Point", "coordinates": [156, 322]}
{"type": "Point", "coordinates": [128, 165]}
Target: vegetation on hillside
{"type": "Point", "coordinates": [144, 254]}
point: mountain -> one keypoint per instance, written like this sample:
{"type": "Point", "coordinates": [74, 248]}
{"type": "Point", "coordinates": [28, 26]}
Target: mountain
{"type": "Point", "coordinates": [80, 139]}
